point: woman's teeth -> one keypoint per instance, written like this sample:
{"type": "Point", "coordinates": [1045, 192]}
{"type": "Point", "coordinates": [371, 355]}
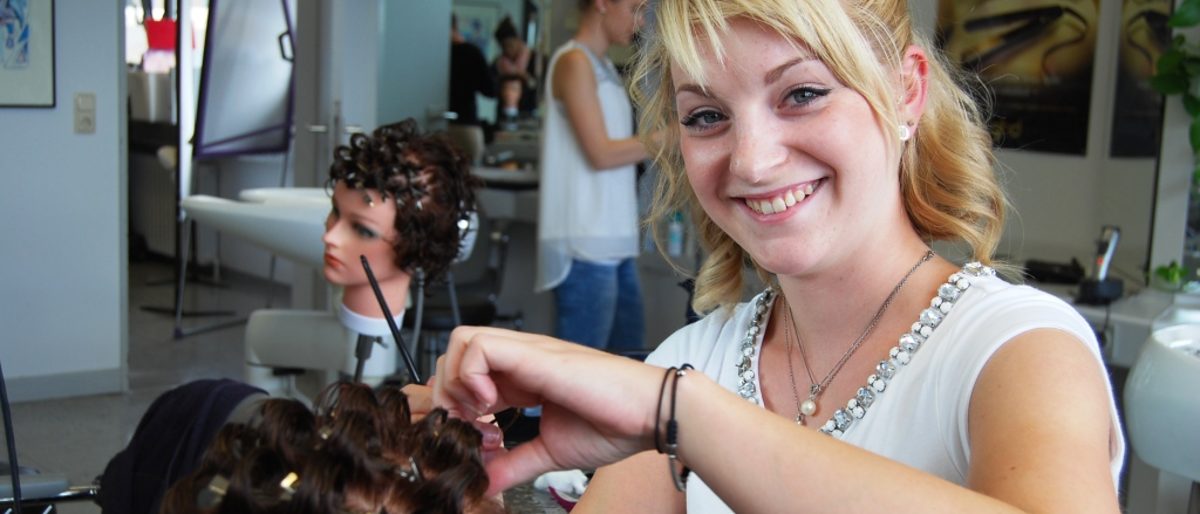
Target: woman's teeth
{"type": "Point", "coordinates": [782, 202]}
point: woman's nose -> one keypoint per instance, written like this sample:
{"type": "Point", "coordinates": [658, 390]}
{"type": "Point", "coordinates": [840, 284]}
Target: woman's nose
{"type": "Point", "coordinates": [757, 151]}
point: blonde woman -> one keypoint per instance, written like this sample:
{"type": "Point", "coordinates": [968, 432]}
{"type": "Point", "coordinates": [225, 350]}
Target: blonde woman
{"type": "Point", "coordinates": [825, 143]}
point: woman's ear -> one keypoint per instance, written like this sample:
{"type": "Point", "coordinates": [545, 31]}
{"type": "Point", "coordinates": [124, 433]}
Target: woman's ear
{"type": "Point", "coordinates": [914, 76]}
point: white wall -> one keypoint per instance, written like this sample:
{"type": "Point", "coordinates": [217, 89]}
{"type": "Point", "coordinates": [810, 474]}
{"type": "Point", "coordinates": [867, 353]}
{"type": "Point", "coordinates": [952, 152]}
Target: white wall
{"type": "Point", "coordinates": [414, 61]}
{"type": "Point", "coordinates": [1174, 180]}
{"type": "Point", "coordinates": [63, 220]}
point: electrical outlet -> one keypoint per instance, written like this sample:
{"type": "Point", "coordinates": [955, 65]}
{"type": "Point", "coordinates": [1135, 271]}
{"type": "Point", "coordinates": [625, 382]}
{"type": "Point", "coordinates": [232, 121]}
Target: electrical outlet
{"type": "Point", "coordinates": [85, 113]}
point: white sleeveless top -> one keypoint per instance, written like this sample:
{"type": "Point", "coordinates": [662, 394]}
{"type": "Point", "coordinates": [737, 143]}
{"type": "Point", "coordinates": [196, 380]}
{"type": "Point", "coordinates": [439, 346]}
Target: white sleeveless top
{"type": "Point", "coordinates": [921, 419]}
{"type": "Point", "coordinates": [584, 214]}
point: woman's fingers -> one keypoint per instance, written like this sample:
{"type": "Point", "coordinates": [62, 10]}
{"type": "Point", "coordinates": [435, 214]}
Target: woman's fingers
{"type": "Point", "coordinates": [450, 391]}
{"type": "Point", "coordinates": [420, 399]}
{"type": "Point", "coordinates": [493, 437]}
{"type": "Point", "coordinates": [518, 465]}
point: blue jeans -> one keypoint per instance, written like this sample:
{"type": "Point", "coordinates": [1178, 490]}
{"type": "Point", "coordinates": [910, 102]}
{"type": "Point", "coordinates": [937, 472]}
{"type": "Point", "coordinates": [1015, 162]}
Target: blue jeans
{"type": "Point", "coordinates": [601, 306]}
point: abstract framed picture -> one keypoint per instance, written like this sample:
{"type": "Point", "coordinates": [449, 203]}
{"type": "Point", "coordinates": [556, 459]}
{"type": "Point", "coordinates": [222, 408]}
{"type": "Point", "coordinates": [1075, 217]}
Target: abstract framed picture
{"type": "Point", "coordinates": [27, 53]}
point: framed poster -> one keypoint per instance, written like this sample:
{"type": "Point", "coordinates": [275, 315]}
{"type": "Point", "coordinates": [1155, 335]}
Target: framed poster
{"type": "Point", "coordinates": [1036, 57]}
{"type": "Point", "coordinates": [26, 53]}
{"type": "Point", "coordinates": [1137, 107]}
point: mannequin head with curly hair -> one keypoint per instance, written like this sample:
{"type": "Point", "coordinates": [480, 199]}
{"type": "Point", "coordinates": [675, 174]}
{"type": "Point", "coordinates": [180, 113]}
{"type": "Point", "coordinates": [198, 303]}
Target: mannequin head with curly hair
{"type": "Point", "coordinates": [357, 453]}
{"type": "Point", "coordinates": [401, 199]}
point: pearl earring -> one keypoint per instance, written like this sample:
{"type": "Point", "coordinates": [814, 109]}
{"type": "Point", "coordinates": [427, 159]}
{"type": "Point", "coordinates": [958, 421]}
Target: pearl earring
{"type": "Point", "coordinates": [905, 132]}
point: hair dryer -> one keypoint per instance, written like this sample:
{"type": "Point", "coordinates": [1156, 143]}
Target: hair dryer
{"type": "Point", "coordinates": [1099, 288]}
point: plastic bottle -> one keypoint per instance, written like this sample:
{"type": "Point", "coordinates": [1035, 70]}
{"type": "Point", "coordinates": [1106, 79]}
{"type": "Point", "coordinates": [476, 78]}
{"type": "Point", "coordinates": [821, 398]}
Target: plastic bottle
{"type": "Point", "coordinates": [675, 235]}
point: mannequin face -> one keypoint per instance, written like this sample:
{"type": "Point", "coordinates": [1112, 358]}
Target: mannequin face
{"type": "Point", "coordinates": [355, 227]}
{"type": "Point", "coordinates": [510, 93]}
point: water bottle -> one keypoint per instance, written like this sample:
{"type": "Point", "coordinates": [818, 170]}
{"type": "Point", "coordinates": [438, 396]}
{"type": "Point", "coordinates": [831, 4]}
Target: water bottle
{"type": "Point", "coordinates": [675, 235]}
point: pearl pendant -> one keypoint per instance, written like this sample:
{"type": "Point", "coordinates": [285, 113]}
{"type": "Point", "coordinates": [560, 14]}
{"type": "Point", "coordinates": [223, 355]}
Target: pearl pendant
{"type": "Point", "coordinates": [809, 407]}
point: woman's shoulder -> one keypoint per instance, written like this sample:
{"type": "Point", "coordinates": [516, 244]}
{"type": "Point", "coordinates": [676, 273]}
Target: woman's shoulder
{"type": "Point", "coordinates": [992, 311]}
{"type": "Point", "coordinates": [995, 297]}
{"type": "Point", "coordinates": [569, 51]}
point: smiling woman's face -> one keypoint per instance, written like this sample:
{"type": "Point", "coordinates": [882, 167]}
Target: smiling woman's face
{"type": "Point", "coordinates": [786, 159]}
{"type": "Point", "coordinates": [356, 227]}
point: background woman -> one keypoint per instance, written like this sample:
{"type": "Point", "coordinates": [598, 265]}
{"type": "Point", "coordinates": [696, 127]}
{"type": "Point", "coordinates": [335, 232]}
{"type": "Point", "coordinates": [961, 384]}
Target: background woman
{"type": "Point", "coordinates": [587, 223]}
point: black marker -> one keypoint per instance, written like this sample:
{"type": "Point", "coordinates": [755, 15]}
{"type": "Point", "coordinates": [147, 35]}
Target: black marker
{"type": "Point", "coordinates": [387, 314]}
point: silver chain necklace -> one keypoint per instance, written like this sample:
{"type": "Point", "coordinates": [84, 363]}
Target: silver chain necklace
{"type": "Point", "coordinates": [809, 406]}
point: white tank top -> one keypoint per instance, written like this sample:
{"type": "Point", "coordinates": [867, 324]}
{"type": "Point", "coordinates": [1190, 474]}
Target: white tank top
{"type": "Point", "coordinates": [584, 214]}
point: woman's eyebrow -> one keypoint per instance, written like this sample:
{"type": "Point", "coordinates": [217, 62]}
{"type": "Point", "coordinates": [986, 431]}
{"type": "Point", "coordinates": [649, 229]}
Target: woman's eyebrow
{"type": "Point", "coordinates": [778, 71]}
{"type": "Point", "coordinates": [691, 88]}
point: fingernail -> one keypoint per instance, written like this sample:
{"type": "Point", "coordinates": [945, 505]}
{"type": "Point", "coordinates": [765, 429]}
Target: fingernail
{"type": "Point", "coordinates": [491, 439]}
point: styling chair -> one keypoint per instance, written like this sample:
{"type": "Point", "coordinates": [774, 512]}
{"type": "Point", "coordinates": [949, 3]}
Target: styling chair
{"type": "Point", "coordinates": [1162, 414]}
{"type": "Point", "coordinates": [27, 490]}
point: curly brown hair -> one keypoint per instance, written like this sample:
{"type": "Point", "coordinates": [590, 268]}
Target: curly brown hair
{"type": "Point", "coordinates": [357, 453]}
{"type": "Point", "coordinates": [429, 179]}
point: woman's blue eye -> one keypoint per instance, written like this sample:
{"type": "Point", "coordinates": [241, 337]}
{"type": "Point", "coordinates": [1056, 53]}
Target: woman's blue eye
{"type": "Point", "coordinates": [804, 95]}
{"type": "Point", "coordinates": [702, 119]}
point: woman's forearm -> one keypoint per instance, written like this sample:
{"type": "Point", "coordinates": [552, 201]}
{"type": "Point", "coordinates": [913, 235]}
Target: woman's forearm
{"type": "Point", "coordinates": [725, 440]}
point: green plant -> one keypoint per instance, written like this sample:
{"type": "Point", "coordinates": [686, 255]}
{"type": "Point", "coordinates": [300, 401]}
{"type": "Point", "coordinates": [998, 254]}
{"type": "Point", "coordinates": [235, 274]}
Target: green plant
{"type": "Point", "coordinates": [1178, 73]}
{"type": "Point", "coordinates": [1172, 275]}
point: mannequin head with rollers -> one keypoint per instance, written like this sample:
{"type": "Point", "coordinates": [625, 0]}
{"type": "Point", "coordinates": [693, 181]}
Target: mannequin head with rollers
{"type": "Point", "coordinates": [401, 199]}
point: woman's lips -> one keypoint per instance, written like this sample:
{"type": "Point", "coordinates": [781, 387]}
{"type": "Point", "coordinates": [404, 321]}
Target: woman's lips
{"type": "Point", "coordinates": [333, 262]}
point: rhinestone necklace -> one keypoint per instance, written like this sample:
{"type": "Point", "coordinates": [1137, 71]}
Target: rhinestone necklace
{"type": "Point", "coordinates": [809, 406]}
{"type": "Point", "coordinates": [898, 357]}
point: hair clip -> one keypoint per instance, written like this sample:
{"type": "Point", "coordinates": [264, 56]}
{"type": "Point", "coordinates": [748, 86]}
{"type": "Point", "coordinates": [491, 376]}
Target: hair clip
{"type": "Point", "coordinates": [411, 474]}
{"type": "Point", "coordinates": [325, 432]}
{"type": "Point", "coordinates": [214, 492]}
{"type": "Point", "coordinates": [286, 484]}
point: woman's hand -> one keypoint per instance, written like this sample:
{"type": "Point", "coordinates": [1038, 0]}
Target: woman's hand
{"type": "Point", "coordinates": [597, 408]}
{"type": "Point", "coordinates": [420, 402]}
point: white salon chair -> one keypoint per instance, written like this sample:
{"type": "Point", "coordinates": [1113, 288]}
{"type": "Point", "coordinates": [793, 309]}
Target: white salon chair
{"type": "Point", "coordinates": [1162, 417]}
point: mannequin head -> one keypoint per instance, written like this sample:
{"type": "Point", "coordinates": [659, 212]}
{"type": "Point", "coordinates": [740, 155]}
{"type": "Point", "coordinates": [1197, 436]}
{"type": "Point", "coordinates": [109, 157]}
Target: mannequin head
{"type": "Point", "coordinates": [401, 199]}
{"type": "Point", "coordinates": [510, 93]}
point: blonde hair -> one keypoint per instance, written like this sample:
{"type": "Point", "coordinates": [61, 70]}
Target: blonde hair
{"type": "Point", "coordinates": [949, 189]}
